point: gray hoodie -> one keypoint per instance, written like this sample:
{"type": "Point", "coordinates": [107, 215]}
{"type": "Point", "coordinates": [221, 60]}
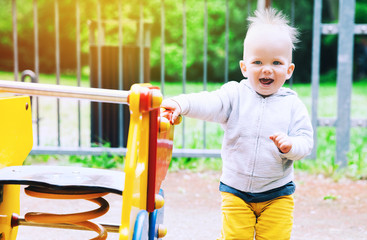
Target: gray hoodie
{"type": "Point", "coordinates": [251, 161]}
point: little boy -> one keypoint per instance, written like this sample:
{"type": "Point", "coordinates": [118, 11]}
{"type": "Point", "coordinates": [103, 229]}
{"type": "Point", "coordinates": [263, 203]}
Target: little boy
{"type": "Point", "coordinates": [266, 128]}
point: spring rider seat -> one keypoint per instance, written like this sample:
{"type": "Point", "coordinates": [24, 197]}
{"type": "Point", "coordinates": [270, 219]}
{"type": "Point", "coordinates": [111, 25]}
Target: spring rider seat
{"type": "Point", "coordinates": [149, 151]}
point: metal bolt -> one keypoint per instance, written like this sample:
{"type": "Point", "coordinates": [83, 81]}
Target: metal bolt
{"type": "Point", "coordinates": [162, 231]}
{"type": "Point", "coordinates": [360, 123]}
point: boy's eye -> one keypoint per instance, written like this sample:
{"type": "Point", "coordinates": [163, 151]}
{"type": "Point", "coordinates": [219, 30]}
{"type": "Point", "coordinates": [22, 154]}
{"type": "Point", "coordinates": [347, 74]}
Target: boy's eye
{"type": "Point", "coordinates": [277, 63]}
{"type": "Point", "coordinates": [257, 62]}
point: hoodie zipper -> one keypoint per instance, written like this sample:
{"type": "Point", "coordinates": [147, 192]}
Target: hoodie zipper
{"type": "Point", "coordinates": [257, 148]}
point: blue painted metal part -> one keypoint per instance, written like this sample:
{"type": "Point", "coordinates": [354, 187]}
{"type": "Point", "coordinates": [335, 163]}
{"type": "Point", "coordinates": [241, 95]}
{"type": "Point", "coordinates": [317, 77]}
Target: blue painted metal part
{"type": "Point", "coordinates": [156, 218]}
{"type": "Point", "coordinates": [152, 225]}
{"type": "Point", "coordinates": [141, 226]}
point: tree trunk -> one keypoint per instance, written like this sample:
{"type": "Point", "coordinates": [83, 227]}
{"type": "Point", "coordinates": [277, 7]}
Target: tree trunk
{"type": "Point", "coordinates": [263, 4]}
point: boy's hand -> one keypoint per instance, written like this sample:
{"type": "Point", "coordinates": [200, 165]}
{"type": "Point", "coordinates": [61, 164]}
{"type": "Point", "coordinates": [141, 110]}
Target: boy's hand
{"type": "Point", "coordinates": [173, 106]}
{"type": "Point", "coordinates": [282, 141]}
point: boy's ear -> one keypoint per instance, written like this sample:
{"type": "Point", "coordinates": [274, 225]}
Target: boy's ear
{"type": "Point", "coordinates": [243, 68]}
{"type": "Point", "coordinates": [290, 70]}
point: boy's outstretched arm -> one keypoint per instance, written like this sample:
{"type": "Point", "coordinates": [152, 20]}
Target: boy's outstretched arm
{"type": "Point", "coordinates": [282, 141]}
{"type": "Point", "coordinates": [173, 106]}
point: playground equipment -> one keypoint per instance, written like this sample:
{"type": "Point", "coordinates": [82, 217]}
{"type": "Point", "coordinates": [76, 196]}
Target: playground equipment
{"type": "Point", "coordinates": [149, 151]}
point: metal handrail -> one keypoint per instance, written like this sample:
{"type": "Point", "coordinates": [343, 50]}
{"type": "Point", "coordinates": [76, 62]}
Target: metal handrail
{"type": "Point", "coordinates": [60, 91]}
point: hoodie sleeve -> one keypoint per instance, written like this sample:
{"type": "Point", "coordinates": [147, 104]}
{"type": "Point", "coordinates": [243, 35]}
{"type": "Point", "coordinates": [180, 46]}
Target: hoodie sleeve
{"type": "Point", "coordinates": [300, 131]}
{"type": "Point", "coordinates": [212, 106]}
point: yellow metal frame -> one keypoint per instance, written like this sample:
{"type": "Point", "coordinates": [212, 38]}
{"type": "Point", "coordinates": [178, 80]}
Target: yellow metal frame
{"type": "Point", "coordinates": [16, 143]}
{"type": "Point", "coordinates": [136, 162]}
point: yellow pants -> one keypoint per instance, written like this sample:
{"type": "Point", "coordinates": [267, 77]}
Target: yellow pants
{"type": "Point", "coordinates": [270, 220]}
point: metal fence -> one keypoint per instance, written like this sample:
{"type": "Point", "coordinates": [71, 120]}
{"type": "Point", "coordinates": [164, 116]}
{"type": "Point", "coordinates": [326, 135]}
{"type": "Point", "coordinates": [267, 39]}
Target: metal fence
{"type": "Point", "coordinates": [345, 28]}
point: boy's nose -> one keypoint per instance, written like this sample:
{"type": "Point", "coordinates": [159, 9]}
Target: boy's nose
{"type": "Point", "coordinates": [266, 70]}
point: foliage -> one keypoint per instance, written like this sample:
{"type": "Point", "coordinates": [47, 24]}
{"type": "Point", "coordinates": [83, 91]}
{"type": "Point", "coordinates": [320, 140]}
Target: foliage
{"type": "Point", "coordinates": [195, 39]}
{"type": "Point", "coordinates": [174, 67]}
{"type": "Point", "coordinates": [34, 159]}
{"type": "Point", "coordinates": [357, 165]}
{"type": "Point", "coordinates": [174, 42]}
{"type": "Point", "coordinates": [325, 162]}
{"type": "Point", "coordinates": [361, 11]}
{"type": "Point", "coordinates": [330, 197]}
{"type": "Point", "coordinates": [329, 42]}
{"type": "Point", "coordinates": [104, 160]}
{"type": "Point", "coordinates": [195, 164]}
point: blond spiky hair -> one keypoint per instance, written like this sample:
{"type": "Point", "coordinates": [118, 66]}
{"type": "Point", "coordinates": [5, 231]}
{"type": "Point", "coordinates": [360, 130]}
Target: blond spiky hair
{"type": "Point", "coordinates": [271, 16]}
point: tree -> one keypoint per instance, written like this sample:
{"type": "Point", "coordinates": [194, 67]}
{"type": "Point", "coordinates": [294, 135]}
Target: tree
{"type": "Point", "coordinates": [238, 13]}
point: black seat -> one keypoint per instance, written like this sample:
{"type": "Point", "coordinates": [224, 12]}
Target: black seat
{"type": "Point", "coordinates": [65, 178]}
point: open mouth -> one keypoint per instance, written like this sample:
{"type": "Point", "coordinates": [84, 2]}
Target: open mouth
{"type": "Point", "coordinates": [266, 81]}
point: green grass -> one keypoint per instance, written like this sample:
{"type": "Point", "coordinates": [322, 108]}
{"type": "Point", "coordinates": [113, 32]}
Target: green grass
{"type": "Point", "coordinates": [194, 136]}
{"type": "Point", "coordinates": [104, 160]}
{"type": "Point", "coordinates": [65, 79]}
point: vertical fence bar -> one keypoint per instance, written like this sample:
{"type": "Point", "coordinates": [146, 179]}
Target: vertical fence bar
{"type": "Point", "coordinates": [163, 19]}
{"type": "Point", "coordinates": [205, 67]}
{"type": "Point", "coordinates": [293, 8]}
{"type": "Point", "coordinates": [57, 61]}
{"type": "Point", "coordinates": [36, 64]}
{"type": "Point", "coordinates": [15, 39]}
{"type": "Point", "coordinates": [99, 62]}
{"type": "Point", "coordinates": [141, 42]}
{"type": "Point", "coordinates": [315, 74]}
{"type": "Point", "coordinates": [344, 79]}
{"type": "Point", "coordinates": [78, 65]}
{"type": "Point", "coordinates": [205, 57]}
{"type": "Point", "coordinates": [36, 46]}
{"type": "Point", "coordinates": [35, 30]}
{"type": "Point", "coordinates": [261, 4]}
{"type": "Point", "coordinates": [226, 59]}
{"type": "Point", "coordinates": [121, 81]}
{"type": "Point", "coordinates": [249, 7]}
{"type": "Point", "coordinates": [183, 63]}
{"type": "Point", "coordinates": [292, 23]}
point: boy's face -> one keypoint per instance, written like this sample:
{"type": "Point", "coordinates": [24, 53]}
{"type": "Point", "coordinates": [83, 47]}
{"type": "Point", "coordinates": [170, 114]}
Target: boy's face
{"type": "Point", "coordinates": [267, 59]}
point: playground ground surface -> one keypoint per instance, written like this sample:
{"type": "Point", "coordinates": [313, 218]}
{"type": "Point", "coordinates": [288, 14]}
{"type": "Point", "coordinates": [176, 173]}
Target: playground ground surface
{"type": "Point", "coordinates": [325, 209]}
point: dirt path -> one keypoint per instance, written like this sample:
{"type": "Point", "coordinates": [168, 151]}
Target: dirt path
{"type": "Point", "coordinates": [343, 215]}
{"type": "Point", "coordinates": [192, 209]}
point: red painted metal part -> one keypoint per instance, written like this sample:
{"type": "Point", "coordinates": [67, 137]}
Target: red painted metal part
{"type": "Point", "coordinates": [160, 154]}
{"type": "Point", "coordinates": [164, 156]}
{"type": "Point", "coordinates": [152, 162]}
{"type": "Point", "coordinates": [145, 99]}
